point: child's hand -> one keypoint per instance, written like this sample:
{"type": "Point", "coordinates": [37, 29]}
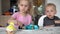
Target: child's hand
{"type": "Point", "coordinates": [16, 22]}
{"type": "Point", "coordinates": [20, 24]}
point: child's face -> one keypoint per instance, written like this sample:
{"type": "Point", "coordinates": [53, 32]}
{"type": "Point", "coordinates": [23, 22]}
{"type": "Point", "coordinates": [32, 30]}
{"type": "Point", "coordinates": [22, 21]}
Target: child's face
{"type": "Point", "coordinates": [50, 11]}
{"type": "Point", "coordinates": [23, 6]}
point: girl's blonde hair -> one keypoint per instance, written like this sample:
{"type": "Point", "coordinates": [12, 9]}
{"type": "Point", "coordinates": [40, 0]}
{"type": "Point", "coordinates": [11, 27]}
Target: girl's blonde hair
{"type": "Point", "coordinates": [30, 10]}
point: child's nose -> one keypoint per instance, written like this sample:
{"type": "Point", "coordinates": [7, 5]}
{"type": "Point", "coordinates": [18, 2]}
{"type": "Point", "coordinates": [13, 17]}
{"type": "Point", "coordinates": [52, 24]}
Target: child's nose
{"type": "Point", "coordinates": [23, 6]}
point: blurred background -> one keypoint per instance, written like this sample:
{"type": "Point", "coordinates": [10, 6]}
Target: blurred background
{"type": "Point", "coordinates": [8, 7]}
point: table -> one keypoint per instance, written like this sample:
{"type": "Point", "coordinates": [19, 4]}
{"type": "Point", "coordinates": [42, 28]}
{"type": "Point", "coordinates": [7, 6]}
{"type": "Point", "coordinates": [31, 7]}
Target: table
{"type": "Point", "coordinates": [2, 30]}
{"type": "Point", "coordinates": [51, 30]}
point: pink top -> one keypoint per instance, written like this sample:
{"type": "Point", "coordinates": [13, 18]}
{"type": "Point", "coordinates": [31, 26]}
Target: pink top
{"type": "Point", "coordinates": [26, 20]}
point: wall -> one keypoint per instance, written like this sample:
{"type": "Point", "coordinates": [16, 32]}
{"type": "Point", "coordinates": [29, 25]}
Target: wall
{"type": "Point", "coordinates": [5, 5]}
{"type": "Point", "coordinates": [57, 3]}
{"type": "Point", "coordinates": [4, 20]}
{"type": "Point", "coordinates": [0, 7]}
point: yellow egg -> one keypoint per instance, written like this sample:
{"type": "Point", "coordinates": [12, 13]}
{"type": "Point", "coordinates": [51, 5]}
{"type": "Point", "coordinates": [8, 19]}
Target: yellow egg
{"type": "Point", "coordinates": [11, 26]}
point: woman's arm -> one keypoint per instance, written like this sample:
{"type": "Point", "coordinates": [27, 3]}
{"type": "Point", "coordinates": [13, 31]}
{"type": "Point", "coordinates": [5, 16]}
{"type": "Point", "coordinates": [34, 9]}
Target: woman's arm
{"type": "Point", "coordinates": [57, 21]}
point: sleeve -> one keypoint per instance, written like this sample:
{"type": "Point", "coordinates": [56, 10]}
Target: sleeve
{"type": "Point", "coordinates": [30, 20]}
{"type": "Point", "coordinates": [41, 20]}
{"type": "Point", "coordinates": [14, 15]}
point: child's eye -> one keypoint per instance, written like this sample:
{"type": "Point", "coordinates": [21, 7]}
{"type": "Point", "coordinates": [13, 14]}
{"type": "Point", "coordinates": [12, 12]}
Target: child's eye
{"type": "Point", "coordinates": [21, 5]}
{"type": "Point", "coordinates": [26, 5]}
{"type": "Point", "coordinates": [47, 11]}
{"type": "Point", "coordinates": [51, 10]}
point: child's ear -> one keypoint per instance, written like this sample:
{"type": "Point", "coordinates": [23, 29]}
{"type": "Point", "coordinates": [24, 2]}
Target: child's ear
{"type": "Point", "coordinates": [55, 12]}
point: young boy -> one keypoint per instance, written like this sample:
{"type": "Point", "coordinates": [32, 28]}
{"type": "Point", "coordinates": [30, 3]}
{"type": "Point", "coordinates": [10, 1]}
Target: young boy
{"type": "Point", "coordinates": [50, 19]}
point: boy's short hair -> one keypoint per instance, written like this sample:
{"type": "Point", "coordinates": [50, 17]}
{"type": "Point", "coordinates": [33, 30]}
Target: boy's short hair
{"type": "Point", "coordinates": [51, 4]}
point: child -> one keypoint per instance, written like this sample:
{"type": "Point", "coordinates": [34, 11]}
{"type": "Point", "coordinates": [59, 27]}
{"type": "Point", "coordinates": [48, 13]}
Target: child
{"type": "Point", "coordinates": [23, 17]}
{"type": "Point", "coordinates": [50, 19]}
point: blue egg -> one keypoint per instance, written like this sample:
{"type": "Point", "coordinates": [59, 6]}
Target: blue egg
{"type": "Point", "coordinates": [29, 27]}
{"type": "Point", "coordinates": [36, 27]}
